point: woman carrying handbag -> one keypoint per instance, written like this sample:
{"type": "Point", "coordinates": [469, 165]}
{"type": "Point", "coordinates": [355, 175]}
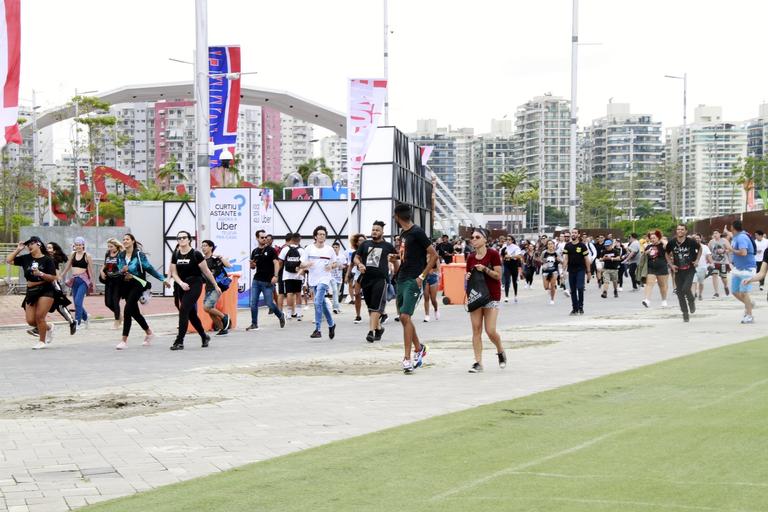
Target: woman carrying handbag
{"type": "Point", "coordinates": [484, 263]}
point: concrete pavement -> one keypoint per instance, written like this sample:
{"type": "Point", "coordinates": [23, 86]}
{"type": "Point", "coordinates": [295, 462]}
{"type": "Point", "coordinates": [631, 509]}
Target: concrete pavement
{"type": "Point", "coordinates": [81, 422]}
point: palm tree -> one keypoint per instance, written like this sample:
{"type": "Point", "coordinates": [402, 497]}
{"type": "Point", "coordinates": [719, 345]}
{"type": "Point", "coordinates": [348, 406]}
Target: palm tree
{"type": "Point", "coordinates": [750, 173]}
{"type": "Point", "coordinates": [171, 170]}
{"type": "Point", "coordinates": [312, 165]}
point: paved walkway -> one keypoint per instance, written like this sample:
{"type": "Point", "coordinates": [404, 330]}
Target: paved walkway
{"type": "Point", "coordinates": [82, 423]}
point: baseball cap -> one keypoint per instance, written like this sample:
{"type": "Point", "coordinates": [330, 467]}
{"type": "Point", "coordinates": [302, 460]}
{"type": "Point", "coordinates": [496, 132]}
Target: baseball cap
{"type": "Point", "coordinates": [34, 240]}
{"type": "Point", "coordinates": [608, 241]}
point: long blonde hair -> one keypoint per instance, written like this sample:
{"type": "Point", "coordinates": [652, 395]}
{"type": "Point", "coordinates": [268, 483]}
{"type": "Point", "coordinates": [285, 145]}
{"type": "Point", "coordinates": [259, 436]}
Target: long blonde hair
{"type": "Point", "coordinates": [116, 243]}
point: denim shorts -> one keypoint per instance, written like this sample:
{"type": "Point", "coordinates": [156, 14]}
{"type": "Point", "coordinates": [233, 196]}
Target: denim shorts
{"type": "Point", "coordinates": [210, 299]}
{"type": "Point", "coordinates": [737, 279]}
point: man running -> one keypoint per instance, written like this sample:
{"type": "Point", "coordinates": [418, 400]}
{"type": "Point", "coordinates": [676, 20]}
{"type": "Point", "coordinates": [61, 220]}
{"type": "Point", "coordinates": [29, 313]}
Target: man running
{"type": "Point", "coordinates": [372, 260]}
{"type": "Point", "coordinates": [633, 259]}
{"type": "Point", "coordinates": [320, 260]}
{"type": "Point", "coordinates": [264, 261]}
{"type": "Point", "coordinates": [683, 253]}
{"type": "Point", "coordinates": [290, 261]}
{"type": "Point", "coordinates": [576, 260]}
{"type": "Point", "coordinates": [720, 248]}
{"type": "Point", "coordinates": [418, 256]}
{"type": "Point", "coordinates": [611, 256]}
{"type": "Point", "coordinates": [743, 257]}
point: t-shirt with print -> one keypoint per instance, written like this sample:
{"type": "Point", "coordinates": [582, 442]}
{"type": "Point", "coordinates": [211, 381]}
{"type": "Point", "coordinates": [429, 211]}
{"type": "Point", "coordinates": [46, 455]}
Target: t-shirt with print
{"type": "Point", "coordinates": [110, 265]}
{"type": "Point", "coordinates": [657, 263]}
{"type": "Point", "coordinates": [742, 241]}
{"type": "Point", "coordinates": [414, 245]}
{"type": "Point", "coordinates": [291, 276]}
{"type": "Point", "coordinates": [321, 259]}
{"type": "Point", "coordinates": [341, 262]}
{"type": "Point", "coordinates": [549, 262]}
{"type": "Point", "coordinates": [703, 263]}
{"type": "Point", "coordinates": [44, 264]}
{"type": "Point", "coordinates": [683, 253]}
{"type": "Point", "coordinates": [265, 263]}
{"type": "Point", "coordinates": [577, 253]}
{"type": "Point", "coordinates": [187, 265]}
{"type": "Point", "coordinates": [612, 258]}
{"type": "Point", "coordinates": [761, 246]}
{"type": "Point", "coordinates": [491, 260]}
{"type": "Point", "coordinates": [719, 253]}
{"type": "Point", "coordinates": [509, 254]}
{"type": "Point", "coordinates": [216, 267]}
{"type": "Point", "coordinates": [375, 257]}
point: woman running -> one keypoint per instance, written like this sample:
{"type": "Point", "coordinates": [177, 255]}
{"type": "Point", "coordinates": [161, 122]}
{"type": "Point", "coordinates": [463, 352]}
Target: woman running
{"type": "Point", "coordinates": [353, 276]}
{"type": "Point", "coordinates": [510, 255]}
{"type": "Point", "coordinates": [188, 267]}
{"type": "Point", "coordinates": [81, 282]}
{"type": "Point", "coordinates": [658, 270]}
{"type": "Point", "coordinates": [431, 284]}
{"type": "Point", "coordinates": [110, 276]}
{"type": "Point", "coordinates": [529, 264]}
{"type": "Point", "coordinates": [550, 265]}
{"type": "Point", "coordinates": [40, 273]}
{"type": "Point", "coordinates": [488, 262]}
{"type": "Point", "coordinates": [216, 264]}
{"type": "Point", "coordinates": [134, 267]}
{"type": "Point", "coordinates": [60, 302]}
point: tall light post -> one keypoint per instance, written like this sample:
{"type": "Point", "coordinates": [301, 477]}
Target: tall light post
{"type": "Point", "coordinates": [574, 115]}
{"type": "Point", "coordinates": [684, 78]}
{"type": "Point", "coordinates": [631, 177]}
{"type": "Point", "coordinates": [202, 130]}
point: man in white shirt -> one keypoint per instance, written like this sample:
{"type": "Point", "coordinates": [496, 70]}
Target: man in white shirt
{"type": "Point", "coordinates": [320, 261]}
{"type": "Point", "coordinates": [290, 258]}
{"type": "Point", "coordinates": [338, 274]}
{"type": "Point", "coordinates": [761, 242]}
{"type": "Point", "coordinates": [702, 267]}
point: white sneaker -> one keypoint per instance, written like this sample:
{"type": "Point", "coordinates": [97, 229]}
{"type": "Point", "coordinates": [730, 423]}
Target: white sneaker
{"type": "Point", "coordinates": [747, 319]}
{"type": "Point", "coordinates": [148, 339]}
{"type": "Point", "coordinates": [646, 303]}
{"type": "Point", "coordinates": [551, 302]}
{"type": "Point", "coordinates": [567, 293]}
{"type": "Point", "coordinates": [506, 299]}
{"type": "Point", "coordinates": [426, 318]}
{"type": "Point", "coordinates": [437, 315]}
{"type": "Point", "coordinates": [407, 366]}
{"type": "Point", "coordinates": [49, 334]}
{"type": "Point", "coordinates": [349, 300]}
{"type": "Point", "coordinates": [621, 289]}
{"type": "Point", "coordinates": [664, 304]}
{"type": "Point", "coordinates": [39, 345]}
{"type": "Point", "coordinates": [87, 324]}
{"type": "Point", "coordinates": [121, 346]}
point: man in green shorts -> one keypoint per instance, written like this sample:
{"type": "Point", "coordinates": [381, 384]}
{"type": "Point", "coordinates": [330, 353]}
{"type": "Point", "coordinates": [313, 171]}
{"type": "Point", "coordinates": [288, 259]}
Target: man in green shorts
{"type": "Point", "coordinates": [418, 256]}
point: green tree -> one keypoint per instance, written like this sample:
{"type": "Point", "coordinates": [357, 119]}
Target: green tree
{"type": "Point", "coordinates": [113, 209]}
{"type": "Point", "coordinates": [312, 165]}
{"type": "Point", "coordinates": [752, 174]}
{"type": "Point", "coordinates": [18, 192]}
{"type": "Point", "coordinates": [276, 186]}
{"type": "Point", "coordinates": [598, 206]}
{"type": "Point", "coordinates": [169, 171]}
{"type": "Point", "coordinates": [555, 216]}
{"type": "Point", "coordinates": [644, 209]}
{"type": "Point", "coordinates": [511, 181]}
{"type": "Point", "coordinates": [154, 193]}
{"type": "Point", "coordinates": [671, 178]}
{"type": "Point", "coordinates": [664, 222]}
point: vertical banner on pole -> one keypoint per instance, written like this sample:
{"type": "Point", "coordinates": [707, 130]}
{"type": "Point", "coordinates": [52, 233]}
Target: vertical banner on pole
{"type": "Point", "coordinates": [231, 231]}
{"type": "Point", "coordinates": [366, 107]}
{"type": "Point", "coordinates": [224, 96]}
{"type": "Point", "coordinates": [10, 66]}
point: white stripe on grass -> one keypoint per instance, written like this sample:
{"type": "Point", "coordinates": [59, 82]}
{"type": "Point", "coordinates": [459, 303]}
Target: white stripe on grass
{"type": "Point", "coordinates": [649, 504]}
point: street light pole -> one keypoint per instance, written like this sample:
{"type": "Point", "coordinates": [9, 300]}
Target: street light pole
{"type": "Point", "coordinates": [574, 114]}
{"type": "Point", "coordinates": [203, 189]}
{"type": "Point", "coordinates": [684, 78]}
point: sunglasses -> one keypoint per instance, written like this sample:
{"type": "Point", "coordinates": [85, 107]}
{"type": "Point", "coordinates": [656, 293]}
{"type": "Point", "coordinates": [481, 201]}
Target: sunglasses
{"type": "Point", "coordinates": [476, 237]}
{"type": "Point", "coordinates": [181, 237]}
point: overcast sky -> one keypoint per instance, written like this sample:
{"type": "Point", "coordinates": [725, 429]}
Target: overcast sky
{"type": "Point", "coordinates": [462, 63]}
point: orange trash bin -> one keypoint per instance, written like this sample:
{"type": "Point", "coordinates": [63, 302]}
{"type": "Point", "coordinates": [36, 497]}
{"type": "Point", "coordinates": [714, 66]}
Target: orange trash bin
{"type": "Point", "coordinates": [453, 276]}
{"type": "Point", "coordinates": [459, 258]}
{"type": "Point", "coordinates": [227, 304]}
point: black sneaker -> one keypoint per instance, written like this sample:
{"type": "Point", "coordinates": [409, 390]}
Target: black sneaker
{"type": "Point", "coordinates": [177, 346]}
{"type": "Point", "coordinates": [332, 331]}
{"type": "Point", "coordinates": [282, 321]}
{"type": "Point", "coordinates": [476, 368]}
{"type": "Point", "coordinates": [686, 318]}
{"type": "Point", "coordinates": [294, 315]}
{"type": "Point", "coordinates": [502, 359]}
{"type": "Point", "coordinates": [35, 333]}
{"type": "Point", "coordinates": [358, 319]}
{"type": "Point", "coordinates": [377, 334]}
{"type": "Point", "coordinates": [604, 294]}
{"type": "Point", "coordinates": [252, 327]}
{"type": "Point", "coordinates": [206, 341]}
{"type": "Point", "coordinates": [574, 312]}
{"type": "Point", "coordinates": [369, 337]}
{"type": "Point", "coordinates": [615, 293]}
{"type": "Point", "coordinates": [222, 332]}
{"type": "Point", "coordinates": [269, 312]}
{"type": "Point", "coordinates": [316, 334]}
{"type": "Point", "coordinates": [384, 318]}
{"type": "Point", "coordinates": [72, 328]}
{"type": "Point", "coordinates": [692, 306]}
{"type": "Point", "coordinates": [225, 323]}
{"type": "Point", "coordinates": [581, 311]}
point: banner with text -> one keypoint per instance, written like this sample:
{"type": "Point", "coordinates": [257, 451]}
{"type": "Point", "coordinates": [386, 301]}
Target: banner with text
{"type": "Point", "coordinates": [224, 98]}
{"type": "Point", "coordinates": [231, 233]}
{"type": "Point", "coordinates": [366, 106]}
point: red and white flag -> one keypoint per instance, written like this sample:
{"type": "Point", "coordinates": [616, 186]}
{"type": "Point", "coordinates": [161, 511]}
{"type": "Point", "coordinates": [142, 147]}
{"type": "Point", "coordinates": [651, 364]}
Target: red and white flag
{"type": "Point", "coordinates": [366, 107]}
{"type": "Point", "coordinates": [10, 64]}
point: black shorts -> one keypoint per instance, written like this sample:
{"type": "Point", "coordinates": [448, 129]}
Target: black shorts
{"type": "Point", "coordinates": [281, 287]}
{"type": "Point", "coordinates": [375, 294]}
{"type": "Point", "coordinates": [36, 292]}
{"type": "Point", "coordinates": [291, 286]}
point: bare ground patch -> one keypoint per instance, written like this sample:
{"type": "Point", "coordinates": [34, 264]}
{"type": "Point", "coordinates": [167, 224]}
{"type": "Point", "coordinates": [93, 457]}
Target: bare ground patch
{"type": "Point", "coordinates": [98, 407]}
{"type": "Point", "coordinates": [320, 368]}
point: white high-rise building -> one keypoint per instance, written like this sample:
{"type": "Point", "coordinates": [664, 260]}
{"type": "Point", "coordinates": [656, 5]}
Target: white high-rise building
{"type": "Point", "coordinates": [714, 149]}
{"type": "Point", "coordinates": [757, 134]}
{"type": "Point", "coordinates": [296, 147]}
{"type": "Point", "coordinates": [543, 149]}
{"type": "Point", "coordinates": [623, 152]}
{"type": "Point", "coordinates": [334, 151]}
{"type": "Point", "coordinates": [493, 156]}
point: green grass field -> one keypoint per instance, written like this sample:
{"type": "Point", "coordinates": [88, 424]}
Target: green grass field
{"type": "Point", "coordinates": [688, 434]}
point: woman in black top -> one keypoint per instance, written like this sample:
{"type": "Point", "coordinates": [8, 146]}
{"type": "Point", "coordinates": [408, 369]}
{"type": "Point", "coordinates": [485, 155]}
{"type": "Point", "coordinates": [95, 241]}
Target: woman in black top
{"type": "Point", "coordinates": [61, 302]}
{"type": "Point", "coordinates": [110, 276]}
{"type": "Point", "coordinates": [40, 273]}
{"type": "Point", "coordinates": [550, 265]}
{"type": "Point", "coordinates": [658, 270]}
{"type": "Point", "coordinates": [529, 264]}
{"type": "Point", "coordinates": [188, 267]}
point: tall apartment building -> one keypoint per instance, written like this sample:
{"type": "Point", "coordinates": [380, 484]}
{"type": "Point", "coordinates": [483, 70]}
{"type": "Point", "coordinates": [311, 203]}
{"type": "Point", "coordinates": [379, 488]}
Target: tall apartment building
{"type": "Point", "coordinates": [296, 146]}
{"type": "Point", "coordinates": [543, 149]}
{"type": "Point", "coordinates": [493, 156]}
{"type": "Point", "coordinates": [714, 147]}
{"type": "Point", "coordinates": [757, 134]}
{"type": "Point", "coordinates": [623, 153]}
{"type": "Point", "coordinates": [334, 151]}
{"type": "Point", "coordinates": [451, 159]}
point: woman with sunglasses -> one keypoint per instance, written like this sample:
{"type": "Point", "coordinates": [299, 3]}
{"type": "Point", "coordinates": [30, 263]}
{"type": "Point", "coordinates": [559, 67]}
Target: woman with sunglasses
{"type": "Point", "coordinates": [487, 261]}
{"type": "Point", "coordinates": [134, 267]}
{"type": "Point", "coordinates": [188, 267]}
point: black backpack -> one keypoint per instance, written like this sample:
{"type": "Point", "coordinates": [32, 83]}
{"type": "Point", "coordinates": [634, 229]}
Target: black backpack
{"type": "Point", "coordinates": [292, 260]}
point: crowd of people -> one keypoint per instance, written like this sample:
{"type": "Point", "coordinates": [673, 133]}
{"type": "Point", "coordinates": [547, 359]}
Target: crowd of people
{"type": "Point", "coordinates": [288, 278]}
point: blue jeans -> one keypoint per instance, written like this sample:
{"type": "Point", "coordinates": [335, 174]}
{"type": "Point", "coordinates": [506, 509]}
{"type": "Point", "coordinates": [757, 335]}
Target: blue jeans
{"type": "Point", "coordinates": [335, 294]}
{"type": "Point", "coordinates": [321, 307]}
{"type": "Point", "coordinates": [576, 283]}
{"type": "Point", "coordinates": [79, 290]}
{"type": "Point", "coordinates": [258, 288]}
